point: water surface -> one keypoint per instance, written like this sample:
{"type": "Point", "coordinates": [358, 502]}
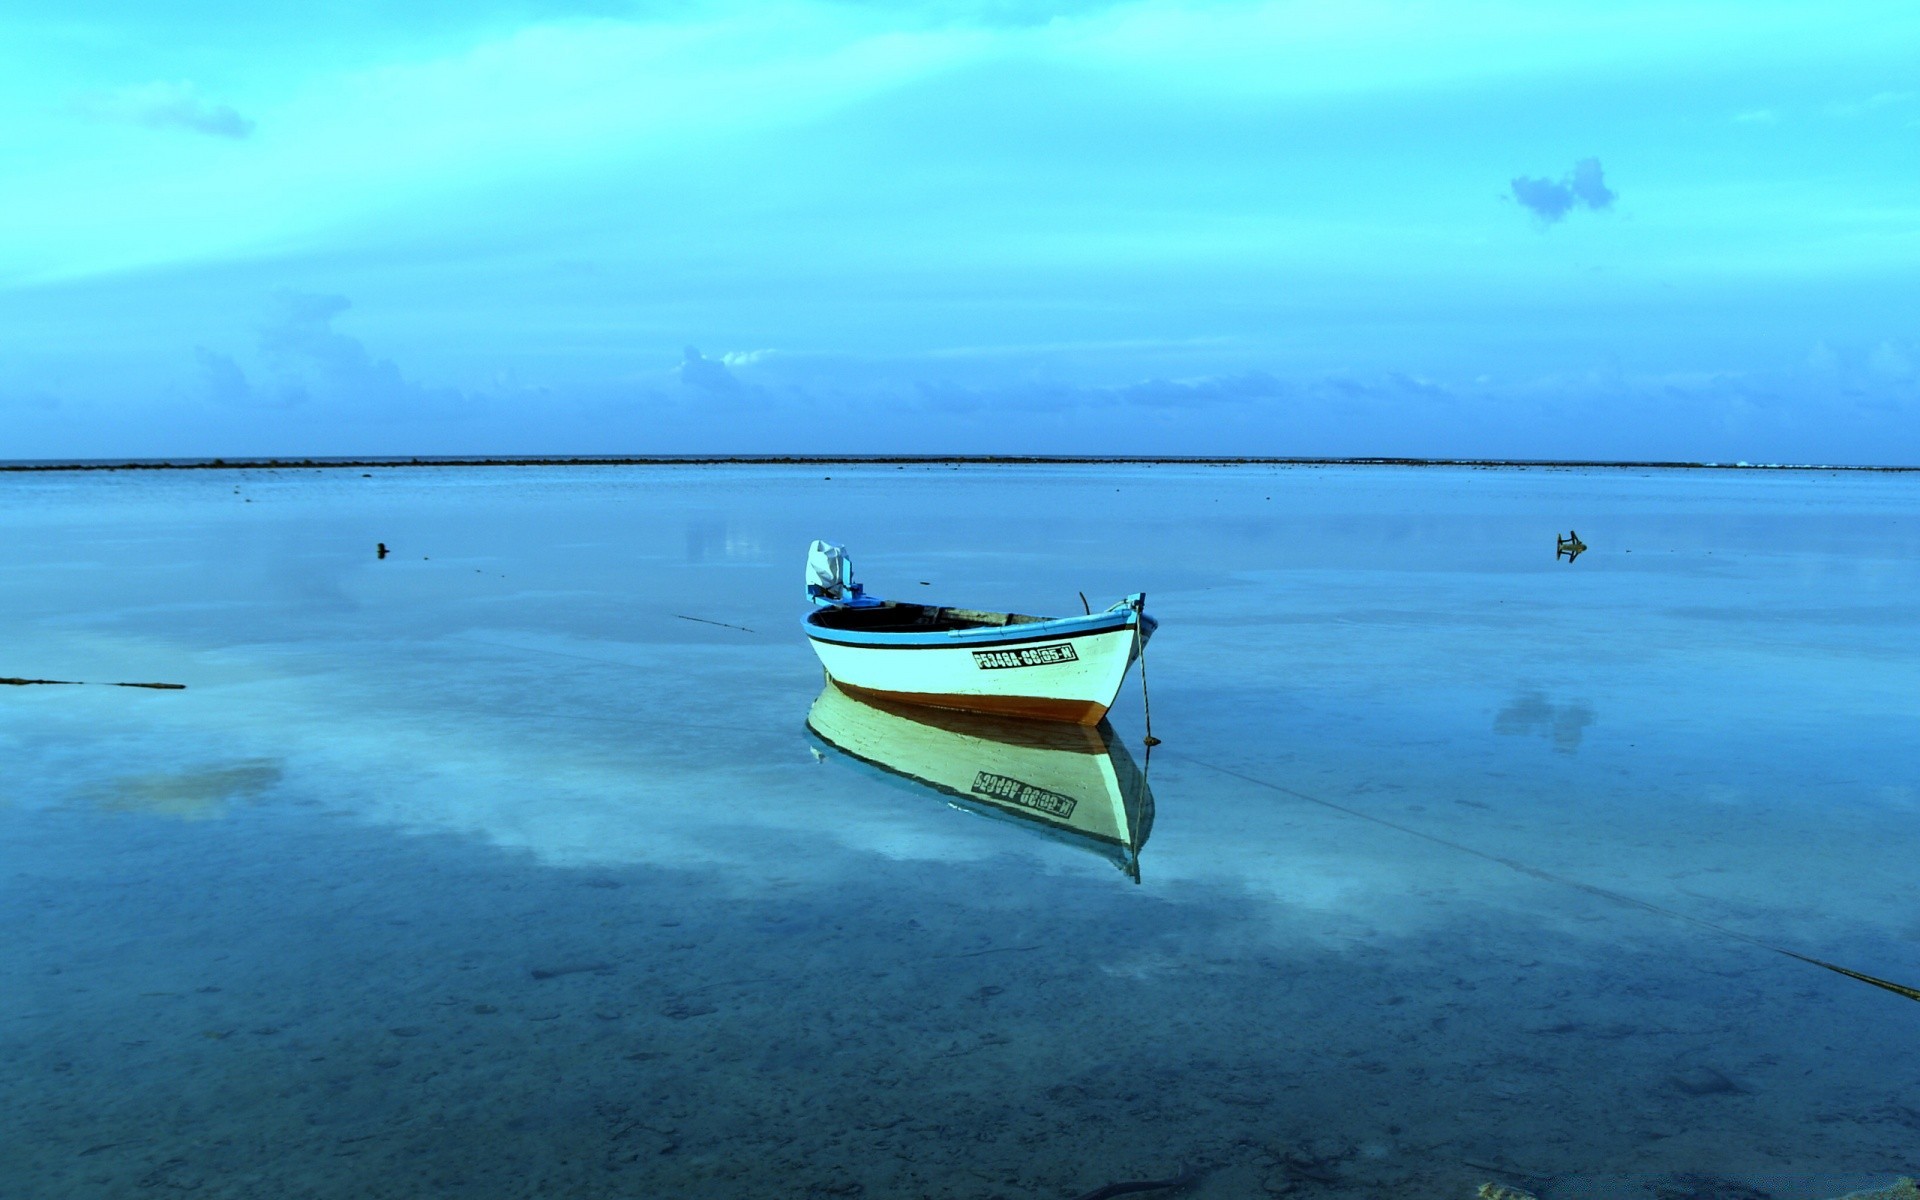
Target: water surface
{"type": "Point", "coordinates": [484, 870]}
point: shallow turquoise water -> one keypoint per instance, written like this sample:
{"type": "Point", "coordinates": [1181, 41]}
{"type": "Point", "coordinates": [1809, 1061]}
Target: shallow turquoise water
{"type": "Point", "coordinates": [480, 871]}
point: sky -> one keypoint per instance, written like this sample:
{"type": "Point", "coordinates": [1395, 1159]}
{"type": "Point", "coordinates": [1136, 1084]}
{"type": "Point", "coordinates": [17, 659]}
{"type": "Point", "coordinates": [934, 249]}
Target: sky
{"type": "Point", "coordinates": [1596, 229]}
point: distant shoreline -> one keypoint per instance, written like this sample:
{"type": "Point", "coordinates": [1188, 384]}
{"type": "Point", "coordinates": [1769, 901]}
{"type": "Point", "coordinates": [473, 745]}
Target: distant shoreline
{"type": "Point", "coordinates": [777, 460]}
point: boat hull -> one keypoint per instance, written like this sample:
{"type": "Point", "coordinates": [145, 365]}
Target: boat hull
{"type": "Point", "coordinates": [1066, 670]}
{"type": "Point", "coordinates": [1037, 708]}
{"type": "Point", "coordinates": [1076, 784]}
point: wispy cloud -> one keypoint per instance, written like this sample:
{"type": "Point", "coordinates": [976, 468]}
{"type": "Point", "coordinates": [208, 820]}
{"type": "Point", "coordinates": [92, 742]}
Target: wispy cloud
{"type": "Point", "coordinates": [1201, 392]}
{"type": "Point", "coordinates": [43, 401]}
{"type": "Point", "coordinates": [1552, 199]}
{"type": "Point", "coordinates": [225, 382]}
{"type": "Point", "coordinates": [1890, 362]}
{"type": "Point", "coordinates": [163, 106]}
{"type": "Point", "coordinates": [1870, 104]}
{"type": "Point", "coordinates": [307, 361]}
{"type": "Point", "coordinates": [1170, 395]}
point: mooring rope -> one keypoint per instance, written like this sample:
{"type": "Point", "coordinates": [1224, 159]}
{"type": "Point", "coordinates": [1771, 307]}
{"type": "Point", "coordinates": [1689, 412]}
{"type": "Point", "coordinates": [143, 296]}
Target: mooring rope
{"type": "Point", "coordinates": [1897, 989]}
{"type": "Point", "coordinates": [1140, 652]}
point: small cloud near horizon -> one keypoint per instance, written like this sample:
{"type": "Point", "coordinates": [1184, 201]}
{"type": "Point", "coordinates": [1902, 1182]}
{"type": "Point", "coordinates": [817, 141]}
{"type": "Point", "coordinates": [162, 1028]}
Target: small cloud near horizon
{"type": "Point", "coordinates": [162, 106]}
{"type": "Point", "coordinates": [1551, 200]}
{"type": "Point", "coordinates": [711, 375]}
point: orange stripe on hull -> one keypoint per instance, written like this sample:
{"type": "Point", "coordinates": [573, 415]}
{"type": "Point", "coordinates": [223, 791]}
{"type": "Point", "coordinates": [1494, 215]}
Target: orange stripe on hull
{"type": "Point", "coordinates": [1078, 712]}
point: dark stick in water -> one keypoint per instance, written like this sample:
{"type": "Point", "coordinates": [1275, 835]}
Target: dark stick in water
{"type": "Point", "coordinates": [10, 681]}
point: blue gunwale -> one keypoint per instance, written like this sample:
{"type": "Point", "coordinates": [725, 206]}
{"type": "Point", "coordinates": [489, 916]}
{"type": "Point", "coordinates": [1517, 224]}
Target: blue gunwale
{"type": "Point", "coordinates": [1056, 629]}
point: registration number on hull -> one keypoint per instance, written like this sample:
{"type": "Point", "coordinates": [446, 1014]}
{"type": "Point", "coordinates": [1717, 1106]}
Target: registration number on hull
{"type": "Point", "coordinates": [1024, 656]}
{"type": "Point", "coordinates": [1012, 791]}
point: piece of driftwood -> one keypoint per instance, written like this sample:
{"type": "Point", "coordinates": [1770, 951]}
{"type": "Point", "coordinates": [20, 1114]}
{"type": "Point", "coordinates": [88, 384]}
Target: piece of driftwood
{"type": "Point", "coordinates": [11, 681]}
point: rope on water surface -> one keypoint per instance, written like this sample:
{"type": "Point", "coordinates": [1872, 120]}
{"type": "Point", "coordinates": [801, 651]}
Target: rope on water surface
{"type": "Point", "coordinates": [1897, 989]}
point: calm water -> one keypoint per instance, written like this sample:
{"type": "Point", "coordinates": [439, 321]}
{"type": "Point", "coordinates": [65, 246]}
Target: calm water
{"type": "Point", "coordinates": [480, 871]}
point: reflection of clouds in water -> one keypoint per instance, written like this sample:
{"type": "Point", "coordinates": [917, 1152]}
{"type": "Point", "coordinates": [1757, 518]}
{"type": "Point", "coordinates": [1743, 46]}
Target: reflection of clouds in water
{"type": "Point", "coordinates": [191, 795]}
{"type": "Point", "coordinates": [1532, 712]}
{"type": "Point", "coordinates": [711, 539]}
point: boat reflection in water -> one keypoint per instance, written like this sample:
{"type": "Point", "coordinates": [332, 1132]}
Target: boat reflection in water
{"type": "Point", "coordinates": [1076, 783]}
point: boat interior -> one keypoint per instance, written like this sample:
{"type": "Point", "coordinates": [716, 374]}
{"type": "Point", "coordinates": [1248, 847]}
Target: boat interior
{"type": "Point", "coordinates": [893, 617]}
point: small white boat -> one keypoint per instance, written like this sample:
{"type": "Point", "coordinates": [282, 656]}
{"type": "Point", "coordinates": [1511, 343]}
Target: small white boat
{"type": "Point", "coordinates": [1006, 664]}
{"type": "Point", "coordinates": [1075, 784]}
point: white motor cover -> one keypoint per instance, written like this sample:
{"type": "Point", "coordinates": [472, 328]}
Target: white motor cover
{"type": "Point", "coordinates": [828, 569]}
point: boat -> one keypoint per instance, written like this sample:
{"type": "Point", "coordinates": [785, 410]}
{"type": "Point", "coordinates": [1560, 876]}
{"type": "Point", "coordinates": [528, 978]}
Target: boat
{"type": "Point", "coordinates": [1000, 663]}
{"type": "Point", "coordinates": [1074, 783]}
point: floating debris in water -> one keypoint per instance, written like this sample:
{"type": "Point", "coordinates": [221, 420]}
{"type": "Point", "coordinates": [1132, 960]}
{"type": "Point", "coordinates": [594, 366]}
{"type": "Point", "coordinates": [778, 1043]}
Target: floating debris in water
{"type": "Point", "coordinates": [14, 681]}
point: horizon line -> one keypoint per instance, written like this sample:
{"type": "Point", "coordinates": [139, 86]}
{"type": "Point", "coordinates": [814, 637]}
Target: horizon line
{"type": "Point", "coordinates": [609, 460]}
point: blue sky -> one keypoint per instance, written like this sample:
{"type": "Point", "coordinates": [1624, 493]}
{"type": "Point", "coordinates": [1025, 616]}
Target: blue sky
{"type": "Point", "coordinates": [1622, 229]}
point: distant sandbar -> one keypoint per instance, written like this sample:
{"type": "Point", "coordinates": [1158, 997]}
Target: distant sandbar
{"type": "Point", "coordinates": [997, 460]}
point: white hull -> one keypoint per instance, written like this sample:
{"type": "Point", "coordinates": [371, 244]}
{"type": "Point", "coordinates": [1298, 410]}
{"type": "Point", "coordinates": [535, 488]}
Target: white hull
{"type": "Point", "coordinates": [1064, 678]}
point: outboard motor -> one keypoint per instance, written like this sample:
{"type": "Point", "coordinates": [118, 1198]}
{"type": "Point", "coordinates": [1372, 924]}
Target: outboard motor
{"type": "Point", "coordinates": [830, 575]}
